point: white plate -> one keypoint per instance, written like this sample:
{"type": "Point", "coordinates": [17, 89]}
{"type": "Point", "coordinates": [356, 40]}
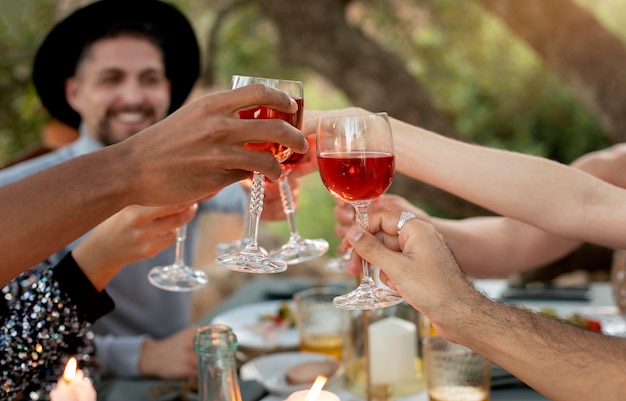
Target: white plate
{"type": "Point", "coordinates": [270, 370]}
{"type": "Point", "coordinates": [242, 318]}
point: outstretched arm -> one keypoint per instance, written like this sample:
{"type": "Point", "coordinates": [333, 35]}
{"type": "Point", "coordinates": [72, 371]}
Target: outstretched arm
{"type": "Point", "coordinates": [560, 360]}
{"type": "Point", "coordinates": [184, 158]}
{"type": "Point", "coordinates": [563, 201]}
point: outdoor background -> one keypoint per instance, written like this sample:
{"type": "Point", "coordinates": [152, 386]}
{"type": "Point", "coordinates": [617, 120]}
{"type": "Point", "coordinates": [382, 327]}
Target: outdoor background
{"type": "Point", "coordinates": [546, 77]}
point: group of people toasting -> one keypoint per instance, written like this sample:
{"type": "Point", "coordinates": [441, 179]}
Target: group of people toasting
{"type": "Point", "coordinates": [95, 217]}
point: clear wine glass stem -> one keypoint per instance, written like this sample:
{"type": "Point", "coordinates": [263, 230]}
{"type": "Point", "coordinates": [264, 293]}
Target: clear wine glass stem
{"type": "Point", "coordinates": [287, 200]}
{"type": "Point", "coordinates": [178, 276]}
{"type": "Point", "coordinates": [362, 220]}
{"type": "Point", "coordinates": [257, 192]}
{"type": "Point", "coordinates": [181, 236]}
{"type": "Point", "coordinates": [296, 249]}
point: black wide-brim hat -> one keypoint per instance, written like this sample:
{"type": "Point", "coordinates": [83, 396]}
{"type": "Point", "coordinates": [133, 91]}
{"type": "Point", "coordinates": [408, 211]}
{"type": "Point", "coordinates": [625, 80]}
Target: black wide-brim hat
{"type": "Point", "coordinates": [58, 55]}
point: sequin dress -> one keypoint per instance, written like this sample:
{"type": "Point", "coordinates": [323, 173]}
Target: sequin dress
{"type": "Point", "coordinates": [46, 315]}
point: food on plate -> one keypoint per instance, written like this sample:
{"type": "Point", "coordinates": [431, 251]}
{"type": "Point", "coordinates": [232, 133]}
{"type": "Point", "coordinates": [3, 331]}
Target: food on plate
{"type": "Point", "coordinates": [271, 326]}
{"type": "Point", "coordinates": [305, 373]}
{"type": "Point", "coordinates": [284, 313]}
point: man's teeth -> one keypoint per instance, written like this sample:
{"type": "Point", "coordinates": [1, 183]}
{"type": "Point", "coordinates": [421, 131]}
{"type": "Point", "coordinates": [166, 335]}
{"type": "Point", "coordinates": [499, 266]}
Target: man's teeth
{"type": "Point", "coordinates": [130, 117]}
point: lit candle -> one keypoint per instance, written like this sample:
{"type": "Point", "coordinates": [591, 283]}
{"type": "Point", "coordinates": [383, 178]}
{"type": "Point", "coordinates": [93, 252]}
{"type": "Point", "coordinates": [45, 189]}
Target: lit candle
{"type": "Point", "coordinates": [315, 393]}
{"type": "Point", "coordinates": [73, 386]}
{"type": "Point", "coordinates": [393, 343]}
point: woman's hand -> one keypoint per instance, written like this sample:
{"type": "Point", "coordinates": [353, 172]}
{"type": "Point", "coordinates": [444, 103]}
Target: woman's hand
{"type": "Point", "coordinates": [134, 233]}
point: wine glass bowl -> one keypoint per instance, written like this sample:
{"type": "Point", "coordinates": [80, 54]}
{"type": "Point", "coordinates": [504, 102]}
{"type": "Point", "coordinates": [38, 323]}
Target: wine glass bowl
{"type": "Point", "coordinates": [356, 164]}
{"type": "Point", "coordinates": [251, 259]}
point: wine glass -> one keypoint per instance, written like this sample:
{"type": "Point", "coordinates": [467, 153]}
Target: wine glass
{"type": "Point", "coordinates": [297, 249]}
{"type": "Point", "coordinates": [356, 163]}
{"type": "Point", "coordinates": [178, 276]}
{"type": "Point", "coordinates": [250, 259]}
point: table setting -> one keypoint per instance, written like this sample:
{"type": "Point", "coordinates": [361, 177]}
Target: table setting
{"type": "Point", "coordinates": [260, 291]}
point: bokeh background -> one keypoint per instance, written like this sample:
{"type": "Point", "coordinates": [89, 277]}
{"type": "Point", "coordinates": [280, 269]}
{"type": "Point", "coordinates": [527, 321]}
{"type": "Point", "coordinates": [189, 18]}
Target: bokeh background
{"type": "Point", "coordinates": [546, 77]}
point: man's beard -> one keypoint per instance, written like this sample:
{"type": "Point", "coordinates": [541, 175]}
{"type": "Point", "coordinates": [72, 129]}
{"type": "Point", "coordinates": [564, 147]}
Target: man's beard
{"type": "Point", "coordinates": [104, 132]}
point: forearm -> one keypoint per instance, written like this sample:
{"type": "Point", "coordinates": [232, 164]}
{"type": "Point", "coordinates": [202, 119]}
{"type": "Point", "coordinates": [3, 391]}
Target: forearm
{"type": "Point", "coordinates": [44, 212]}
{"type": "Point", "coordinates": [498, 246]}
{"type": "Point", "coordinates": [561, 361]}
{"type": "Point", "coordinates": [534, 190]}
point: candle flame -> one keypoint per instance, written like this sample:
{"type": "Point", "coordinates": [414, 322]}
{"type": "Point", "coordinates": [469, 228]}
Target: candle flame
{"type": "Point", "coordinates": [316, 388]}
{"type": "Point", "coordinates": [70, 370]}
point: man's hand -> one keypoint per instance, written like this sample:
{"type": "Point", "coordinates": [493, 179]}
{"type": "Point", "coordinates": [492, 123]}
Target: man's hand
{"type": "Point", "coordinates": [170, 358]}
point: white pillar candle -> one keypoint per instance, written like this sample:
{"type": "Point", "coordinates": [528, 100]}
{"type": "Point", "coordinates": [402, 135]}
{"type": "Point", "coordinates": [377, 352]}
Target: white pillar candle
{"type": "Point", "coordinates": [322, 396]}
{"type": "Point", "coordinates": [73, 386]}
{"type": "Point", "coordinates": [392, 350]}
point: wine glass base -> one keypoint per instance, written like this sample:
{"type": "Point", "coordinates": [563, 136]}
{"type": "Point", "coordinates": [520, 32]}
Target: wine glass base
{"type": "Point", "coordinates": [366, 298]}
{"type": "Point", "coordinates": [177, 278]}
{"type": "Point", "coordinates": [251, 262]}
{"type": "Point", "coordinates": [300, 250]}
{"type": "Point", "coordinates": [338, 265]}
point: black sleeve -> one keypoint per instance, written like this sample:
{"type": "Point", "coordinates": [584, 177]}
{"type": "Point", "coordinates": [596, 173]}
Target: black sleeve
{"type": "Point", "coordinates": [90, 303]}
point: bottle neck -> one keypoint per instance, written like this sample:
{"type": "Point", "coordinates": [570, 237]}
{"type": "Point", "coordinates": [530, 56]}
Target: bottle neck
{"type": "Point", "coordinates": [217, 379]}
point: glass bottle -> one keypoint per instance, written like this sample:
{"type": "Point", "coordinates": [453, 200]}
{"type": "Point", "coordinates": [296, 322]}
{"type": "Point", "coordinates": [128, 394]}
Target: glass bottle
{"type": "Point", "coordinates": [215, 345]}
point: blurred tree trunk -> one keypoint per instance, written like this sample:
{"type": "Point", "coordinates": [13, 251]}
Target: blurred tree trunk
{"type": "Point", "coordinates": [590, 59]}
{"type": "Point", "coordinates": [316, 35]}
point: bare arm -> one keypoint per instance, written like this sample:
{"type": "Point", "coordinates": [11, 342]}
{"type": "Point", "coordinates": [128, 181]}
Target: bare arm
{"type": "Point", "coordinates": [499, 246]}
{"type": "Point", "coordinates": [559, 360]}
{"type": "Point", "coordinates": [186, 157]}
{"type": "Point", "coordinates": [563, 201]}
{"type": "Point", "coordinates": [490, 246]}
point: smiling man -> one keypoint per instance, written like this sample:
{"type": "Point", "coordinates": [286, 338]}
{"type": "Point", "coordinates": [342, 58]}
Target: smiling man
{"type": "Point", "coordinates": [111, 69]}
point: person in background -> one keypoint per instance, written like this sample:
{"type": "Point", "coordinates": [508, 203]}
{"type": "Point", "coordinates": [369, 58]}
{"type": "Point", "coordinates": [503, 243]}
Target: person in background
{"type": "Point", "coordinates": [562, 361]}
{"type": "Point", "coordinates": [497, 246]}
{"type": "Point", "coordinates": [133, 64]}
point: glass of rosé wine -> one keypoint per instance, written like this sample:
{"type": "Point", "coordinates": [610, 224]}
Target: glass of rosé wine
{"type": "Point", "coordinates": [251, 259]}
{"type": "Point", "coordinates": [356, 164]}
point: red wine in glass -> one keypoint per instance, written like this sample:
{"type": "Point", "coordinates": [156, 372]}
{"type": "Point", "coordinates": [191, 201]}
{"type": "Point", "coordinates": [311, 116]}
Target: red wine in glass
{"type": "Point", "coordinates": [356, 177]}
{"type": "Point", "coordinates": [280, 152]}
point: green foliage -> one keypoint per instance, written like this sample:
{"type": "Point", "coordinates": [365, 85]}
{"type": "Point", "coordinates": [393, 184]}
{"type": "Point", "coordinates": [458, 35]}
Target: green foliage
{"type": "Point", "coordinates": [247, 44]}
{"type": "Point", "coordinates": [21, 113]}
{"type": "Point", "coordinates": [485, 80]}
